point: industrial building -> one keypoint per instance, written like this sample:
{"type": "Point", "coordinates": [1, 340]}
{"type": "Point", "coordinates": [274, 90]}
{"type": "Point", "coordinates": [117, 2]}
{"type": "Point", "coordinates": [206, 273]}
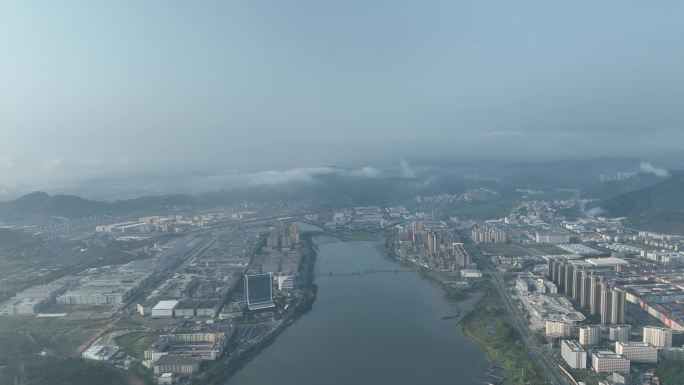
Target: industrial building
{"type": "Point", "coordinates": [164, 309]}
{"type": "Point", "coordinates": [556, 237]}
{"type": "Point", "coordinates": [33, 299]}
{"type": "Point", "coordinates": [100, 353]}
{"type": "Point", "coordinates": [471, 273]}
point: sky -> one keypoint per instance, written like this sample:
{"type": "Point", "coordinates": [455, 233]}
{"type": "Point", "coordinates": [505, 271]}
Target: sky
{"type": "Point", "coordinates": [113, 87]}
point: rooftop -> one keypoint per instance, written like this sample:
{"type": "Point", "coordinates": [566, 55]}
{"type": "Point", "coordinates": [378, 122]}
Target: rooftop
{"type": "Point", "coordinates": [166, 305]}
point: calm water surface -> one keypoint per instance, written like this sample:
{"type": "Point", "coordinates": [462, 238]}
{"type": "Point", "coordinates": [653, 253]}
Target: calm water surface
{"type": "Point", "coordinates": [383, 328]}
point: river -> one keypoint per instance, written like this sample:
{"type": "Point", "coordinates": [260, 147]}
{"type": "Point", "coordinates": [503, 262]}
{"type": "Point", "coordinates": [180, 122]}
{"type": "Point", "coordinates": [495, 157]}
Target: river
{"type": "Point", "coordinates": [381, 328]}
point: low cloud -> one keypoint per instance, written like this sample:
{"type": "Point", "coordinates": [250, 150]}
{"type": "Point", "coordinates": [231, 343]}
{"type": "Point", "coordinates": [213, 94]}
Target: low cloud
{"type": "Point", "coordinates": [595, 211]}
{"type": "Point", "coordinates": [657, 171]}
{"type": "Point", "coordinates": [52, 163]}
{"type": "Point", "coordinates": [294, 175]}
{"type": "Point", "coordinates": [6, 163]}
{"type": "Point", "coordinates": [406, 170]}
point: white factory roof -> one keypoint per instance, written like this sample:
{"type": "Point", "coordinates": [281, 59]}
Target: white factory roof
{"type": "Point", "coordinates": [609, 261]}
{"type": "Point", "coordinates": [166, 305]}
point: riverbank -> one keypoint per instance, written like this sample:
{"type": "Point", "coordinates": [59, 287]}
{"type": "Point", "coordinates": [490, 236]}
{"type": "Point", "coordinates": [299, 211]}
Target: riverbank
{"type": "Point", "coordinates": [227, 367]}
{"type": "Point", "coordinates": [451, 291]}
{"type": "Point", "coordinates": [486, 323]}
{"type": "Point", "coordinates": [489, 326]}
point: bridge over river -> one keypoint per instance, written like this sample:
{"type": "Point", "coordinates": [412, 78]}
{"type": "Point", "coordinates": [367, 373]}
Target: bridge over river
{"type": "Point", "coordinates": [364, 272]}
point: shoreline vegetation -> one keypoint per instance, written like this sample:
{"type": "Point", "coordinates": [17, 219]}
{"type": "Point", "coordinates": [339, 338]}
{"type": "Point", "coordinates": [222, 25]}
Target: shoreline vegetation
{"type": "Point", "coordinates": [487, 324]}
{"type": "Point", "coordinates": [228, 366]}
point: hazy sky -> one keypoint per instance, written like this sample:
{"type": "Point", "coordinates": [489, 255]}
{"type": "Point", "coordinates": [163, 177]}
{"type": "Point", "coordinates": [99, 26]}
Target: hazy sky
{"type": "Point", "coordinates": [94, 87]}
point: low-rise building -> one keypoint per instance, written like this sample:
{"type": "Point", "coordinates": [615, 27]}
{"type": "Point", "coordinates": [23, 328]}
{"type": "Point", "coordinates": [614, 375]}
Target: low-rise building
{"type": "Point", "coordinates": [574, 354]}
{"type": "Point", "coordinates": [207, 308]}
{"type": "Point", "coordinates": [637, 351]}
{"type": "Point", "coordinates": [471, 273]}
{"type": "Point", "coordinates": [100, 353]}
{"type": "Point", "coordinates": [605, 361]}
{"type": "Point", "coordinates": [672, 354]}
{"type": "Point", "coordinates": [185, 309]}
{"type": "Point", "coordinates": [176, 364]}
{"type": "Point", "coordinates": [164, 309]}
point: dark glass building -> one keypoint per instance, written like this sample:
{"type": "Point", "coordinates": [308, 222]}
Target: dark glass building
{"type": "Point", "coordinates": [259, 291]}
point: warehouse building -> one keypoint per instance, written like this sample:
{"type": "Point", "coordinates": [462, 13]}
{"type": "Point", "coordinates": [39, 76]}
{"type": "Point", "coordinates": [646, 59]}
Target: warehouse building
{"type": "Point", "coordinates": [164, 309]}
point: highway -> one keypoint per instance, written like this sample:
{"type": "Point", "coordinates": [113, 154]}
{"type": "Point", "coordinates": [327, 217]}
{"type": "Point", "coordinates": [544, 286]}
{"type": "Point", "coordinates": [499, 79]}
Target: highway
{"type": "Point", "coordinates": [537, 352]}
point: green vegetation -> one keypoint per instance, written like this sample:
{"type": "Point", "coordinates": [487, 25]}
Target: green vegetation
{"type": "Point", "coordinates": [63, 336]}
{"type": "Point", "coordinates": [670, 373]}
{"type": "Point", "coordinates": [658, 207]}
{"type": "Point", "coordinates": [63, 371]}
{"type": "Point", "coordinates": [505, 249]}
{"type": "Point", "coordinates": [135, 343]}
{"type": "Point", "coordinates": [547, 249]}
{"type": "Point", "coordinates": [489, 326]}
{"type": "Point", "coordinates": [21, 361]}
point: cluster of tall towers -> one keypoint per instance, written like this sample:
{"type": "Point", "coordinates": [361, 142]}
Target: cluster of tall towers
{"type": "Point", "coordinates": [488, 234]}
{"type": "Point", "coordinates": [283, 237]}
{"type": "Point", "coordinates": [592, 291]}
{"type": "Point", "coordinates": [420, 236]}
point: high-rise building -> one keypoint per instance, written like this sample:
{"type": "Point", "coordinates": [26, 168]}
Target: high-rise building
{"type": "Point", "coordinates": [417, 232]}
{"type": "Point", "coordinates": [606, 303]}
{"type": "Point", "coordinates": [433, 242]}
{"type": "Point", "coordinates": [461, 255]}
{"type": "Point", "coordinates": [618, 312]}
{"type": "Point", "coordinates": [619, 333]}
{"type": "Point", "coordinates": [658, 337]}
{"type": "Point", "coordinates": [551, 269]}
{"type": "Point", "coordinates": [259, 291]}
{"type": "Point", "coordinates": [574, 354]}
{"type": "Point", "coordinates": [585, 289]}
{"type": "Point", "coordinates": [613, 307]}
{"type": "Point", "coordinates": [590, 335]}
{"type": "Point", "coordinates": [595, 295]}
{"type": "Point", "coordinates": [576, 283]}
{"type": "Point", "coordinates": [561, 278]}
{"type": "Point", "coordinates": [637, 351]}
{"type": "Point", "coordinates": [567, 286]}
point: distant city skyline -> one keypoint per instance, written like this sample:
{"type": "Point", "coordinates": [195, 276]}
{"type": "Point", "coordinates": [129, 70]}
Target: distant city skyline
{"type": "Point", "coordinates": [102, 88]}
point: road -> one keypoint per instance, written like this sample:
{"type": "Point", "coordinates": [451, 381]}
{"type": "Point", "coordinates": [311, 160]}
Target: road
{"type": "Point", "coordinates": [538, 353]}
